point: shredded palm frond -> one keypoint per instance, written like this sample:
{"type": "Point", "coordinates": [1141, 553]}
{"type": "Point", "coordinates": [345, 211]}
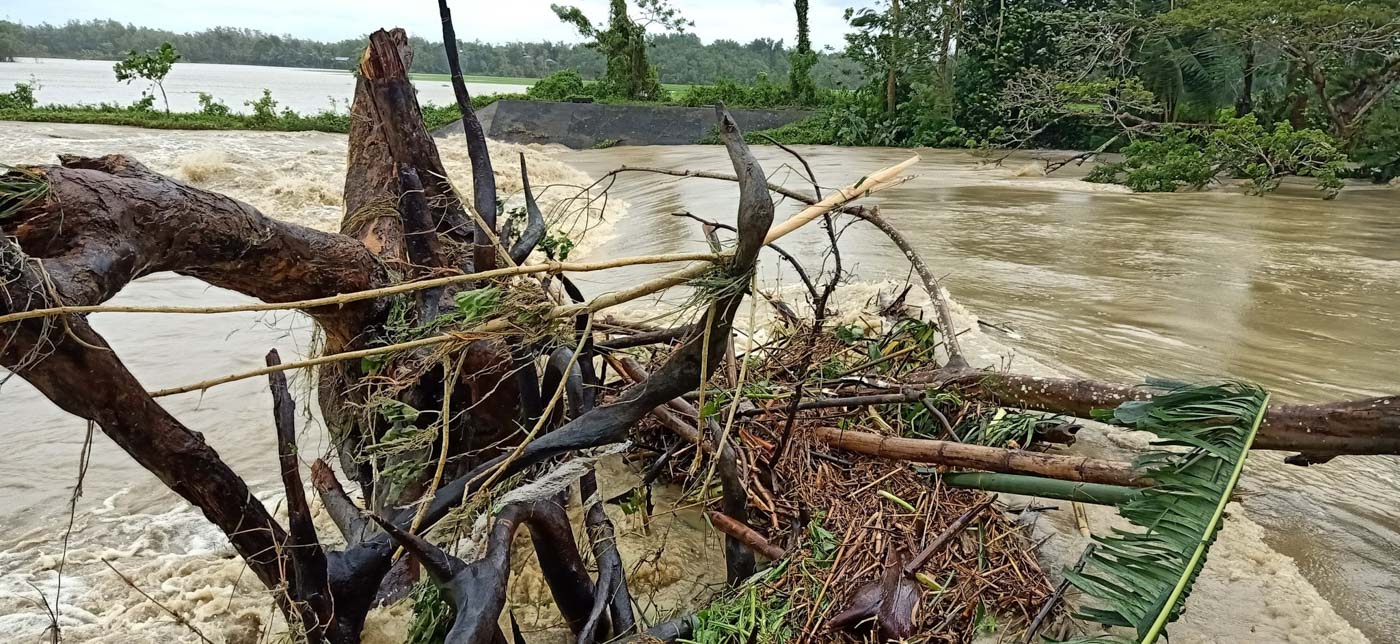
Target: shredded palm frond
{"type": "Point", "coordinates": [1142, 579]}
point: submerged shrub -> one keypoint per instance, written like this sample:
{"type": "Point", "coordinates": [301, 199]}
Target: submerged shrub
{"type": "Point", "coordinates": [1238, 147]}
{"type": "Point", "coordinates": [210, 106]}
{"type": "Point", "coordinates": [22, 98]}
{"type": "Point", "coordinates": [1177, 160]}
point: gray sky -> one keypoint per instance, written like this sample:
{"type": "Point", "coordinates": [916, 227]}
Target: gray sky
{"type": "Point", "coordinates": [486, 20]}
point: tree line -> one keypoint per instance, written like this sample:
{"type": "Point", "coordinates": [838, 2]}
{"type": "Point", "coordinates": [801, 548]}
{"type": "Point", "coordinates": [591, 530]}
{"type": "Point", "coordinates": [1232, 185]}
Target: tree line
{"type": "Point", "coordinates": [1250, 82]}
{"type": "Point", "coordinates": [680, 58]}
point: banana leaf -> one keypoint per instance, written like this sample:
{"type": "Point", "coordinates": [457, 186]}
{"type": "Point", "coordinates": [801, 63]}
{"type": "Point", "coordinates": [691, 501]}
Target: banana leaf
{"type": "Point", "coordinates": [1142, 578]}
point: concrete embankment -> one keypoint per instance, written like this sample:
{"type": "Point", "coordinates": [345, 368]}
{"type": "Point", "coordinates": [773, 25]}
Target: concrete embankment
{"type": "Point", "coordinates": [588, 125]}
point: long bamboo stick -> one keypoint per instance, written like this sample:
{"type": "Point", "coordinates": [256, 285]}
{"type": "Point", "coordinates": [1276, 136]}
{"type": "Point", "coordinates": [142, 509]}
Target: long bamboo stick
{"type": "Point", "coordinates": [870, 184]}
{"type": "Point", "coordinates": [1012, 461]}
{"type": "Point", "coordinates": [346, 298]}
{"type": "Point", "coordinates": [1093, 493]}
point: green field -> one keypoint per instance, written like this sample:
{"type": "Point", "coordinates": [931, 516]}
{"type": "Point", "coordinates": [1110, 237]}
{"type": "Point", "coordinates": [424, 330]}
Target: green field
{"type": "Point", "coordinates": [498, 80]}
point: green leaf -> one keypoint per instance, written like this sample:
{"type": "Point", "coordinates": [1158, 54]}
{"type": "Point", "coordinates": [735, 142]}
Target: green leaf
{"type": "Point", "coordinates": [1142, 578]}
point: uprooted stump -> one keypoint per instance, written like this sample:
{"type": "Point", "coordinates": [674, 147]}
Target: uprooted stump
{"type": "Point", "coordinates": [431, 394]}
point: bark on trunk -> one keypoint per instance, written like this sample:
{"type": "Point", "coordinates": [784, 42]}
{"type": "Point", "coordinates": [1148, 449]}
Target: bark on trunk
{"type": "Point", "coordinates": [1319, 432]}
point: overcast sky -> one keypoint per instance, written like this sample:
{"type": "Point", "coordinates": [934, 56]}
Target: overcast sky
{"type": "Point", "coordinates": [486, 20]}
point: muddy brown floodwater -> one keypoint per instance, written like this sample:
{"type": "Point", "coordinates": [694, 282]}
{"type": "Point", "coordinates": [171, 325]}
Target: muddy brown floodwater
{"type": "Point", "coordinates": [1292, 292]}
{"type": "Point", "coordinates": [1297, 294]}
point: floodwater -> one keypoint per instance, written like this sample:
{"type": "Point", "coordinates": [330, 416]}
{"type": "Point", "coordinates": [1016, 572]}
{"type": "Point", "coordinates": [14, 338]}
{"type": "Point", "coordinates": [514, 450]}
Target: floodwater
{"type": "Point", "coordinates": [69, 82]}
{"type": "Point", "coordinates": [1295, 293]}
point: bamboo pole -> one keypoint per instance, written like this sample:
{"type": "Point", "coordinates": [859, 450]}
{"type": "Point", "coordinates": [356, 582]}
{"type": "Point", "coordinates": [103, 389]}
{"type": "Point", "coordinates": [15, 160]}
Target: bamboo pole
{"type": "Point", "coordinates": [996, 459]}
{"type": "Point", "coordinates": [867, 185]}
{"type": "Point", "coordinates": [1095, 493]}
{"type": "Point", "coordinates": [356, 296]}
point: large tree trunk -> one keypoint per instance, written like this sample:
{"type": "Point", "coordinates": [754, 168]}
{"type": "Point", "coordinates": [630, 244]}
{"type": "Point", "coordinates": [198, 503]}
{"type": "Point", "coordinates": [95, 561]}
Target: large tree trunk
{"type": "Point", "coordinates": [1244, 104]}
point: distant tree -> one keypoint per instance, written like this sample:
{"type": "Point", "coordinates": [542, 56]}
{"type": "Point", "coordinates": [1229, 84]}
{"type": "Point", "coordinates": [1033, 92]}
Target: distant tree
{"type": "Point", "coordinates": [152, 65]}
{"type": "Point", "coordinates": [802, 60]}
{"type": "Point", "coordinates": [679, 58]}
{"type": "Point", "coordinates": [897, 44]}
{"type": "Point", "coordinates": [1343, 55]}
{"type": "Point", "coordinates": [624, 43]}
{"type": "Point", "coordinates": [9, 41]}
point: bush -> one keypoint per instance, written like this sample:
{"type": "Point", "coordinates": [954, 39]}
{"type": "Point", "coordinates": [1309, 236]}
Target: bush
{"type": "Point", "coordinates": [1246, 149]}
{"type": "Point", "coordinates": [859, 118]}
{"type": "Point", "coordinates": [1178, 160]}
{"type": "Point", "coordinates": [264, 109]}
{"type": "Point", "coordinates": [147, 103]}
{"type": "Point", "coordinates": [763, 93]}
{"type": "Point", "coordinates": [559, 86]}
{"type": "Point", "coordinates": [209, 106]}
{"type": "Point", "coordinates": [1239, 147]}
{"type": "Point", "coordinates": [22, 98]}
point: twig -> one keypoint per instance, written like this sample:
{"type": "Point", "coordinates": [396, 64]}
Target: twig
{"type": "Point", "coordinates": [946, 537]}
{"type": "Point", "coordinates": [935, 292]}
{"type": "Point", "coordinates": [84, 458]}
{"type": "Point", "coordinates": [746, 535]}
{"type": "Point", "coordinates": [346, 298]}
{"type": "Point", "coordinates": [851, 401]}
{"type": "Point", "coordinates": [449, 383]}
{"type": "Point", "coordinates": [179, 619]}
{"type": "Point", "coordinates": [1054, 599]}
{"type": "Point", "coordinates": [796, 265]}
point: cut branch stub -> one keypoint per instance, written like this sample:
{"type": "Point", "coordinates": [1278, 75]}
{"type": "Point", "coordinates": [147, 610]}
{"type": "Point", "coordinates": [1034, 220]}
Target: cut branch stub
{"type": "Point", "coordinates": [534, 220]}
{"type": "Point", "coordinates": [387, 133]}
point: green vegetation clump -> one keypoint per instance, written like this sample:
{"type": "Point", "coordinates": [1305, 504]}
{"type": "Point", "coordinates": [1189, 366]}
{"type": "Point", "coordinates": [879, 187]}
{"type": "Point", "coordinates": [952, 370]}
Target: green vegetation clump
{"type": "Point", "coordinates": [22, 98]}
{"type": "Point", "coordinates": [1176, 161]}
{"type": "Point", "coordinates": [432, 615]}
{"type": "Point", "coordinates": [1239, 147]}
{"type": "Point", "coordinates": [762, 93]}
{"type": "Point", "coordinates": [559, 86]}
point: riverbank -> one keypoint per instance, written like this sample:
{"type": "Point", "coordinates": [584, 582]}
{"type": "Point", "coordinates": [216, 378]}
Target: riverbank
{"type": "Point", "coordinates": [434, 116]}
{"type": "Point", "coordinates": [601, 125]}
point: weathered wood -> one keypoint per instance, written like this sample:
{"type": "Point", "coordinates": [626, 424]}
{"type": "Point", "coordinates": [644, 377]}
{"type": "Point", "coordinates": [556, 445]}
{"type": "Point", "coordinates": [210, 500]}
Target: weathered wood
{"type": "Point", "coordinates": [993, 459]}
{"type": "Point", "coordinates": [348, 517]}
{"type": "Point", "coordinates": [483, 178]}
{"type": "Point", "coordinates": [1319, 432]}
{"type": "Point", "coordinates": [610, 592]}
{"type": "Point", "coordinates": [64, 363]}
{"type": "Point", "coordinates": [746, 535]}
{"type": "Point", "coordinates": [478, 589]}
{"type": "Point", "coordinates": [108, 221]}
